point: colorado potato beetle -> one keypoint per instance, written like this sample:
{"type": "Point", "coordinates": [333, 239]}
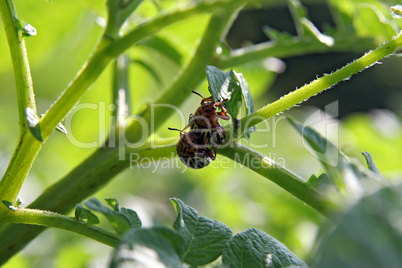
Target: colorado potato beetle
{"type": "Point", "coordinates": [206, 133]}
{"type": "Point", "coordinates": [192, 150]}
{"type": "Point", "coordinates": [205, 121]}
{"type": "Point", "coordinates": [206, 115]}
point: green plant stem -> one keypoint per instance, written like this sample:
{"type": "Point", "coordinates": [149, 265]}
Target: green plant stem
{"type": "Point", "coordinates": [22, 73]}
{"type": "Point", "coordinates": [51, 219]}
{"type": "Point", "coordinates": [81, 182]}
{"type": "Point", "coordinates": [322, 83]}
{"type": "Point", "coordinates": [27, 145]}
{"type": "Point", "coordinates": [292, 47]}
{"type": "Point", "coordinates": [279, 175]}
{"type": "Point", "coordinates": [105, 52]}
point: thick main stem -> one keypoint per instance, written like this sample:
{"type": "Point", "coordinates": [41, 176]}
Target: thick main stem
{"type": "Point", "coordinates": [27, 146]}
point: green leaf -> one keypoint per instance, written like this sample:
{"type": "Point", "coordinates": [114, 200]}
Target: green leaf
{"type": "Point", "coordinates": [9, 204]}
{"type": "Point", "coordinates": [369, 234]}
{"type": "Point", "coordinates": [204, 238]}
{"type": "Point", "coordinates": [83, 213]}
{"type": "Point", "coordinates": [305, 28]}
{"type": "Point", "coordinates": [119, 222]}
{"type": "Point", "coordinates": [132, 216]}
{"type": "Point", "coordinates": [150, 247]}
{"type": "Point", "coordinates": [19, 202]}
{"type": "Point", "coordinates": [312, 31]}
{"type": "Point", "coordinates": [164, 47]}
{"type": "Point", "coordinates": [373, 167]}
{"type": "Point", "coordinates": [298, 12]}
{"type": "Point", "coordinates": [248, 100]}
{"type": "Point", "coordinates": [121, 218]}
{"type": "Point", "coordinates": [342, 171]}
{"type": "Point", "coordinates": [275, 35]}
{"type": "Point", "coordinates": [33, 123]}
{"type": "Point", "coordinates": [325, 151]}
{"type": "Point", "coordinates": [255, 248]}
{"type": "Point", "coordinates": [220, 84]}
{"type": "Point", "coordinates": [61, 128]}
{"type": "Point", "coordinates": [369, 21]}
{"type": "Point", "coordinates": [113, 203]}
{"type": "Point", "coordinates": [315, 182]}
{"type": "Point", "coordinates": [230, 85]}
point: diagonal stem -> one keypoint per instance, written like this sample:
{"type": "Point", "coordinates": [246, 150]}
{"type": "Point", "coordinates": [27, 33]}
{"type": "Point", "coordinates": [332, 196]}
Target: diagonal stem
{"type": "Point", "coordinates": [27, 146]}
{"type": "Point", "coordinates": [322, 83]}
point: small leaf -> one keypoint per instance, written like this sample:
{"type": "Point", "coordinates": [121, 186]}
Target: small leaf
{"type": "Point", "coordinates": [373, 167]}
{"type": "Point", "coordinates": [230, 85]}
{"type": "Point", "coordinates": [305, 28]}
{"type": "Point", "coordinates": [314, 182]}
{"type": "Point", "coordinates": [150, 247]}
{"type": "Point", "coordinates": [298, 12]}
{"type": "Point", "coordinates": [275, 35]}
{"type": "Point", "coordinates": [255, 248]}
{"type": "Point", "coordinates": [132, 216]}
{"type": "Point", "coordinates": [311, 30]}
{"type": "Point", "coordinates": [370, 22]}
{"type": "Point", "coordinates": [248, 100]}
{"type": "Point", "coordinates": [83, 213]}
{"type": "Point", "coordinates": [19, 202]}
{"type": "Point", "coordinates": [9, 204]}
{"type": "Point", "coordinates": [221, 86]}
{"type": "Point", "coordinates": [113, 203]}
{"type": "Point", "coordinates": [61, 128]}
{"type": "Point", "coordinates": [33, 123]}
{"type": "Point", "coordinates": [204, 238]}
{"type": "Point", "coordinates": [119, 222]}
{"type": "Point", "coordinates": [325, 151]}
{"type": "Point", "coordinates": [344, 173]}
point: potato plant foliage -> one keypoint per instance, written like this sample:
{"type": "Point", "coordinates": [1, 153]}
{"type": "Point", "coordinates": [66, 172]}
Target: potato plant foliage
{"type": "Point", "coordinates": [111, 76]}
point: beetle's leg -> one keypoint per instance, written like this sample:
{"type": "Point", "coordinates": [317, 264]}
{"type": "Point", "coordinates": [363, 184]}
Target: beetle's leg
{"type": "Point", "coordinates": [211, 155]}
{"type": "Point", "coordinates": [214, 147]}
{"type": "Point", "coordinates": [222, 114]}
{"type": "Point", "coordinates": [185, 128]}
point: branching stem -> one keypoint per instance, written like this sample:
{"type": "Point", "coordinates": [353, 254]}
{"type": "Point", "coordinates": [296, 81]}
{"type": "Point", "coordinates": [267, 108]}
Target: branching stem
{"type": "Point", "coordinates": [51, 219]}
{"type": "Point", "coordinates": [322, 83]}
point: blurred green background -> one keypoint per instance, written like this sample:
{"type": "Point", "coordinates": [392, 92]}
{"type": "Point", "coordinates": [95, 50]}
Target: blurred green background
{"type": "Point", "coordinates": [369, 113]}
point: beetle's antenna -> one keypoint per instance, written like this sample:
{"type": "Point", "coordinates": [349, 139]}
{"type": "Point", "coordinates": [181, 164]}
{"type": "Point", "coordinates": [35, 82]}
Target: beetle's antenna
{"type": "Point", "coordinates": [174, 129]}
{"type": "Point", "coordinates": [197, 93]}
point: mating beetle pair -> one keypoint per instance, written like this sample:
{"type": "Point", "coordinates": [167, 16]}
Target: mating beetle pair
{"type": "Point", "coordinates": [206, 133]}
